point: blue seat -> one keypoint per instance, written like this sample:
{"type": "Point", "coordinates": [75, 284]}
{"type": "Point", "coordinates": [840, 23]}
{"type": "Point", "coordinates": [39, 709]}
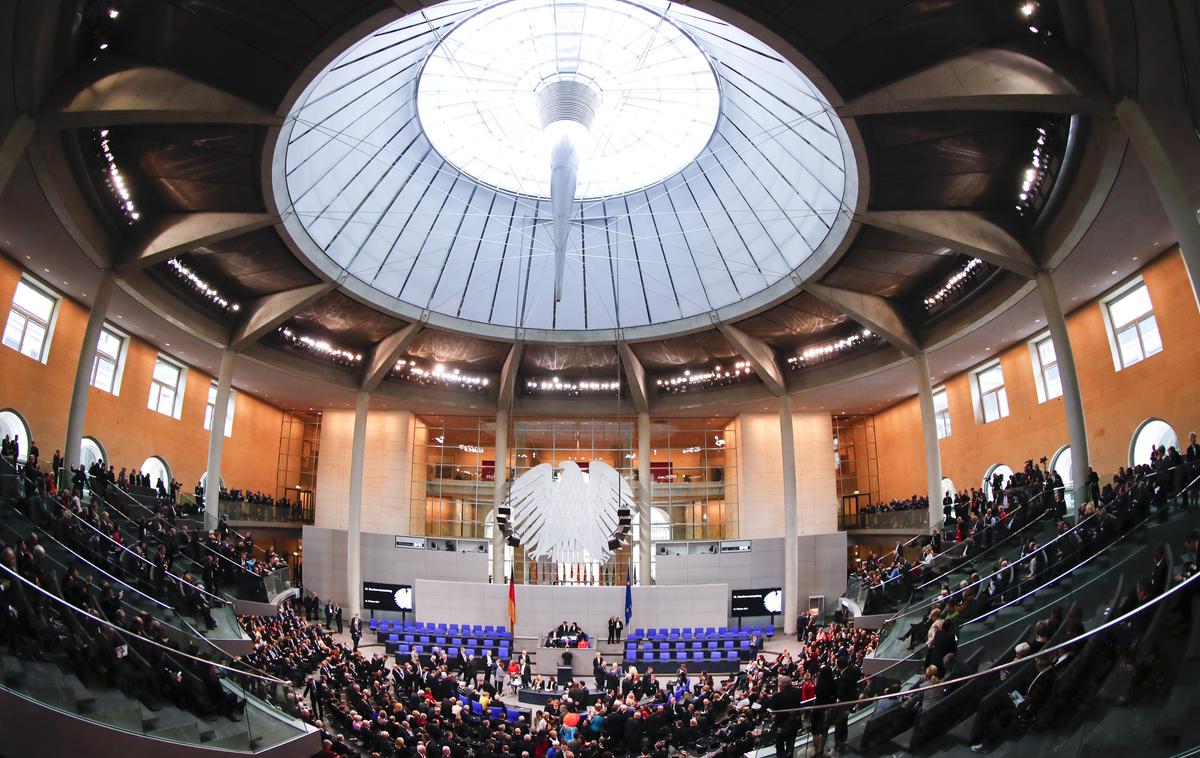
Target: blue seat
{"type": "Point", "coordinates": [476, 708]}
{"type": "Point", "coordinates": [727, 644]}
{"type": "Point", "coordinates": [441, 627]}
{"type": "Point", "coordinates": [373, 624]}
{"type": "Point", "coordinates": [770, 630]}
{"type": "Point", "coordinates": [402, 648]}
{"type": "Point", "coordinates": [712, 645]}
{"type": "Point", "coordinates": [687, 634]}
{"type": "Point", "coordinates": [424, 639]}
{"type": "Point", "coordinates": [637, 634]}
{"type": "Point", "coordinates": [454, 628]}
{"type": "Point", "coordinates": [732, 655]}
{"type": "Point", "coordinates": [439, 640]}
{"type": "Point", "coordinates": [715, 655]}
{"type": "Point", "coordinates": [495, 712]}
{"type": "Point", "coordinates": [647, 656]}
{"type": "Point", "coordinates": [679, 645]}
{"type": "Point", "coordinates": [744, 646]}
{"type": "Point", "coordinates": [514, 715]}
{"type": "Point", "coordinates": [452, 652]}
{"type": "Point", "coordinates": [710, 630]}
{"type": "Point", "coordinates": [664, 656]}
{"type": "Point", "coordinates": [393, 639]}
{"type": "Point", "coordinates": [489, 629]}
{"type": "Point", "coordinates": [418, 649]}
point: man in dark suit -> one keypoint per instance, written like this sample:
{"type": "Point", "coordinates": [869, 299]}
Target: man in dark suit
{"type": "Point", "coordinates": [329, 614]}
{"type": "Point", "coordinates": [847, 691]}
{"type": "Point", "coordinates": [598, 670]}
{"type": "Point", "coordinates": [337, 614]}
{"type": "Point", "coordinates": [787, 724]}
{"type": "Point", "coordinates": [355, 630]}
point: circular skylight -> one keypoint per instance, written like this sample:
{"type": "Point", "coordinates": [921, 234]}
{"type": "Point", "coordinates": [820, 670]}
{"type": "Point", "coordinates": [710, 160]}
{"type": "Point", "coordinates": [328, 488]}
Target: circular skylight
{"type": "Point", "coordinates": [648, 93]}
{"type": "Point", "coordinates": [560, 169]}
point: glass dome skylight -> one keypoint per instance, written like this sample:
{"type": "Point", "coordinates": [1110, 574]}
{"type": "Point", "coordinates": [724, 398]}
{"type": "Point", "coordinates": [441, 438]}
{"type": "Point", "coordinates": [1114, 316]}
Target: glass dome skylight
{"type": "Point", "coordinates": [648, 92]}
{"type": "Point", "coordinates": [560, 169]}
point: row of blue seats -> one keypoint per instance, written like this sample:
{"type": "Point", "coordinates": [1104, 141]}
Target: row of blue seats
{"type": "Point", "coordinates": [661, 645]}
{"type": "Point", "coordinates": [687, 657]}
{"type": "Point", "coordinates": [404, 649]}
{"type": "Point", "coordinates": [422, 627]}
{"type": "Point", "coordinates": [494, 712]}
{"type": "Point", "coordinates": [699, 632]}
{"type": "Point", "coordinates": [431, 639]}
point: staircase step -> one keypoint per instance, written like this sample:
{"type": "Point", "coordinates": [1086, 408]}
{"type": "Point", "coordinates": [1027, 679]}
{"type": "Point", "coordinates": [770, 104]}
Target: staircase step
{"type": "Point", "coordinates": [233, 741]}
{"type": "Point", "coordinates": [180, 733]}
{"type": "Point", "coordinates": [53, 696]}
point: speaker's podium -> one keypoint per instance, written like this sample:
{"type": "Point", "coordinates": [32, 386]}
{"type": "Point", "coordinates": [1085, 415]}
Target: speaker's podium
{"type": "Point", "coordinates": [564, 669]}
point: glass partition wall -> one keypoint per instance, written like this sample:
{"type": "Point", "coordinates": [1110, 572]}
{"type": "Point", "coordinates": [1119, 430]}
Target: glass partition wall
{"type": "Point", "coordinates": [692, 473]}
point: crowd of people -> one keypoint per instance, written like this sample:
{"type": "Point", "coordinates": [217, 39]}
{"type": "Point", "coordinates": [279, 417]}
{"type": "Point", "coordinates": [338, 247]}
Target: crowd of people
{"type": "Point", "coordinates": [434, 705]}
{"type": "Point", "coordinates": [914, 503]}
{"type": "Point", "coordinates": [104, 639]}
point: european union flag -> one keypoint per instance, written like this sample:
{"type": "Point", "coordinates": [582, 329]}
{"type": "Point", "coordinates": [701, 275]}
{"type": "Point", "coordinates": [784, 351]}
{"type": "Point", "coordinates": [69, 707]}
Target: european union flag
{"type": "Point", "coordinates": [628, 597]}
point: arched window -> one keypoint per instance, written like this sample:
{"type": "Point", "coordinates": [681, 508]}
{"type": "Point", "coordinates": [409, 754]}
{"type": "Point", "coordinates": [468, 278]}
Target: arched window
{"type": "Point", "coordinates": [1060, 464]}
{"type": "Point", "coordinates": [947, 488]}
{"type": "Point", "coordinates": [90, 451]}
{"type": "Point", "coordinates": [12, 424]}
{"type": "Point", "coordinates": [157, 469]}
{"type": "Point", "coordinates": [204, 481]}
{"type": "Point", "coordinates": [1150, 434]}
{"type": "Point", "coordinates": [998, 468]}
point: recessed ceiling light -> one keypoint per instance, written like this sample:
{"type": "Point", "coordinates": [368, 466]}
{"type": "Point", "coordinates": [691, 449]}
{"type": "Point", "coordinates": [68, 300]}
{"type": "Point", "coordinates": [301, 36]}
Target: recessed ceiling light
{"type": "Point", "coordinates": [1114, 273]}
{"type": "Point", "coordinates": [1135, 257]}
{"type": "Point", "coordinates": [46, 270]}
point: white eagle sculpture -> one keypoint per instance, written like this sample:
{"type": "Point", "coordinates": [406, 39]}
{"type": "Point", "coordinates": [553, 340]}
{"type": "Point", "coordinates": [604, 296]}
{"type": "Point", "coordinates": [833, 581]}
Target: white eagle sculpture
{"type": "Point", "coordinates": [569, 518]}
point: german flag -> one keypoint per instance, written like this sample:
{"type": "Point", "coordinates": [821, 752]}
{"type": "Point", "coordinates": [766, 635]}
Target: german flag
{"type": "Point", "coordinates": [512, 605]}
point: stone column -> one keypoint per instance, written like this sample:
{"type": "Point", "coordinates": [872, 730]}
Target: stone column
{"type": "Point", "coordinates": [1072, 399]}
{"type": "Point", "coordinates": [498, 496]}
{"type": "Point", "coordinates": [216, 435]}
{"type": "Point", "coordinates": [358, 447]}
{"type": "Point", "coordinates": [645, 496]}
{"type": "Point", "coordinates": [791, 548]}
{"type": "Point", "coordinates": [1172, 192]}
{"type": "Point", "coordinates": [83, 372]}
{"type": "Point", "coordinates": [933, 453]}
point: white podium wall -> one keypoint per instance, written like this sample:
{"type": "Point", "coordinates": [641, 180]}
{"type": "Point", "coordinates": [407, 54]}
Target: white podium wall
{"type": "Point", "coordinates": [542, 607]}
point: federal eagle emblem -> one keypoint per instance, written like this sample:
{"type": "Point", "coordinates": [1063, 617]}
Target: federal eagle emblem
{"type": "Point", "coordinates": [574, 516]}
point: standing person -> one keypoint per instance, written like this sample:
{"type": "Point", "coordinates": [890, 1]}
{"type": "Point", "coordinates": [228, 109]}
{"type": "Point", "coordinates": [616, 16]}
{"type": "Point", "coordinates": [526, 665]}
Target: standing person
{"type": "Point", "coordinates": [329, 614]}
{"type": "Point", "coordinates": [618, 629]}
{"type": "Point", "coordinates": [826, 694]}
{"type": "Point", "coordinates": [612, 626]}
{"type": "Point", "coordinates": [787, 722]}
{"type": "Point", "coordinates": [355, 631]}
{"type": "Point", "coordinates": [337, 615]}
{"type": "Point", "coordinates": [847, 691]}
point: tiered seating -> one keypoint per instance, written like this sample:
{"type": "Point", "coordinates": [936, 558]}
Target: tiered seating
{"type": "Point", "coordinates": [403, 638]}
{"type": "Point", "coordinates": [694, 644]}
{"type": "Point", "coordinates": [494, 712]}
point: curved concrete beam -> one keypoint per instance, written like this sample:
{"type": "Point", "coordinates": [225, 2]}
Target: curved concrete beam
{"type": "Point", "coordinates": [385, 354]}
{"type": "Point", "coordinates": [990, 79]}
{"type": "Point", "coordinates": [978, 234]}
{"type": "Point", "coordinates": [12, 148]}
{"type": "Point", "coordinates": [266, 313]}
{"type": "Point", "coordinates": [171, 234]}
{"type": "Point", "coordinates": [508, 377]}
{"type": "Point", "coordinates": [131, 92]}
{"type": "Point", "coordinates": [760, 355]}
{"type": "Point", "coordinates": [635, 377]}
{"type": "Point", "coordinates": [872, 311]}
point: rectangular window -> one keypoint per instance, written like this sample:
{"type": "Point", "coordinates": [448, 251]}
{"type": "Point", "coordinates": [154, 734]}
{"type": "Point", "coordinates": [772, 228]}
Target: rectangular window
{"type": "Point", "coordinates": [212, 406]}
{"type": "Point", "coordinates": [166, 387]}
{"type": "Point", "coordinates": [941, 411]}
{"type": "Point", "coordinates": [1134, 328]}
{"type": "Point", "coordinates": [28, 327]}
{"type": "Point", "coordinates": [1046, 367]}
{"type": "Point", "coordinates": [106, 366]}
{"type": "Point", "coordinates": [993, 400]}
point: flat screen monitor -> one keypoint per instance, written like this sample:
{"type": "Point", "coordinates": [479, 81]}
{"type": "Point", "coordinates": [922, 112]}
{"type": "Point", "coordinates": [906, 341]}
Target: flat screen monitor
{"type": "Point", "coordinates": [387, 597]}
{"type": "Point", "coordinates": [759, 602]}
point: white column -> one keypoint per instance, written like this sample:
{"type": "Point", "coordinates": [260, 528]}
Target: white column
{"type": "Point", "coordinates": [933, 453]}
{"type": "Point", "coordinates": [791, 552]}
{"type": "Point", "coordinates": [358, 448]}
{"type": "Point", "coordinates": [498, 496]}
{"type": "Point", "coordinates": [1172, 192]}
{"type": "Point", "coordinates": [645, 494]}
{"type": "Point", "coordinates": [216, 435]}
{"type": "Point", "coordinates": [1072, 399]}
{"type": "Point", "coordinates": [83, 372]}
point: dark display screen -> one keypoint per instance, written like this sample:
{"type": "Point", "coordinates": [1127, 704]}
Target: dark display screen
{"type": "Point", "coordinates": [763, 602]}
{"type": "Point", "coordinates": [387, 597]}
